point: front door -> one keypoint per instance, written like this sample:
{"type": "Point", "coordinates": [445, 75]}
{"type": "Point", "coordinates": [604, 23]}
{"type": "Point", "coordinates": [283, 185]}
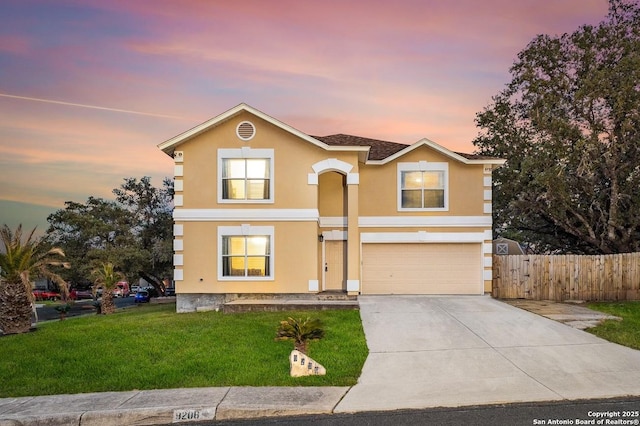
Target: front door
{"type": "Point", "coordinates": [334, 267]}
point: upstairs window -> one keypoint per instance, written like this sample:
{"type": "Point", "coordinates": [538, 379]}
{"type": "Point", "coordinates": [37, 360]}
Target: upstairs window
{"type": "Point", "coordinates": [245, 175]}
{"type": "Point", "coordinates": [422, 186]}
{"type": "Point", "coordinates": [245, 179]}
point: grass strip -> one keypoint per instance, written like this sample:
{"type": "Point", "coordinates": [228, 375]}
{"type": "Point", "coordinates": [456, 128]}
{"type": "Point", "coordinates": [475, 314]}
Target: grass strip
{"type": "Point", "coordinates": [625, 332]}
{"type": "Point", "coordinates": [153, 347]}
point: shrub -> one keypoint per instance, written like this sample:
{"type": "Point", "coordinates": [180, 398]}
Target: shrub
{"type": "Point", "coordinates": [301, 331]}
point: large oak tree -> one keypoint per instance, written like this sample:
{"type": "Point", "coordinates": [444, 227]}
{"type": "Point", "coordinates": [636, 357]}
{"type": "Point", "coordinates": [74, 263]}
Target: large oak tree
{"type": "Point", "coordinates": [132, 232]}
{"type": "Point", "coordinates": [569, 126]}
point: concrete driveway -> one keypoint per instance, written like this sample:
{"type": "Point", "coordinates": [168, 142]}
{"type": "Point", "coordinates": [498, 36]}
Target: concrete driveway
{"type": "Point", "coordinates": [429, 351]}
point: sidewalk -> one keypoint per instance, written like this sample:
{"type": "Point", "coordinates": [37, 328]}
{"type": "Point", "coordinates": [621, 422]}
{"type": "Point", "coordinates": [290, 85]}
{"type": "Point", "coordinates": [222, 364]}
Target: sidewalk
{"type": "Point", "coordinates": [160, 407]}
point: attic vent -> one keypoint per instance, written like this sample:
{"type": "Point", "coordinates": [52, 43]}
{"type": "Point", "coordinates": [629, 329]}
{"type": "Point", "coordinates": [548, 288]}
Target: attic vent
{"type": "Point", "coordinates": [246, 130]}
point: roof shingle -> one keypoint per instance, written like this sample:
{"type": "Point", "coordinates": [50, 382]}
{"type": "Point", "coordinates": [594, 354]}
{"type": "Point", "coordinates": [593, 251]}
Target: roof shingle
{"type": "Point", "coordinates": [379, 149]}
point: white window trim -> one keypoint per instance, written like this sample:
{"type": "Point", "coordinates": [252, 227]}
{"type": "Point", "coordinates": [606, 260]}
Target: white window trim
{"type": "Point", "coordinates": [244, 153]}
{"type": "Point", "coordinates": [247, 230]}
{"type": "Point", "coordinates": [423, 166]}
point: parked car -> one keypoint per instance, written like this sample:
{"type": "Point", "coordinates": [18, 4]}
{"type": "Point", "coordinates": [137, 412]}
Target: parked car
{"type": "Point", "coordinates": [134, 289]}
{"type": "Point", "coordinates": [46, 295]}
{"type": "Point", "coordinates": [80, 294]}
{"type": "Point", "coordinates": [142, 296]}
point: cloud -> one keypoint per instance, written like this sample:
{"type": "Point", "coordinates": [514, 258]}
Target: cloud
{"type": "Point", "coordinates": [14, 44]}
{"type": "Point", "coordinates": [72, 104]}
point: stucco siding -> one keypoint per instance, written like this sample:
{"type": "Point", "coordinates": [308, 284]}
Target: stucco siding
{"type": "Point", "coordinates": [295, 247]}
{"type": "Point", "coordinates": [379, 186]}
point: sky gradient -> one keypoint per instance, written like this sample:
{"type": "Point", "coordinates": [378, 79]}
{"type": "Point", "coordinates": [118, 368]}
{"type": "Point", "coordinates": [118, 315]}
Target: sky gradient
{"type": "Point", "coordinates": [89, 88]}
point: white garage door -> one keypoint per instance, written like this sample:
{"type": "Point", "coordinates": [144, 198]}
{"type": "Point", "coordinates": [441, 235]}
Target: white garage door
{"type": "Point", "coordinates": [431, 268]}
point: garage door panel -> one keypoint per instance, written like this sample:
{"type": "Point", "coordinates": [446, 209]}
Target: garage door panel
{"type": "Point", "coordinates": [433, 268]}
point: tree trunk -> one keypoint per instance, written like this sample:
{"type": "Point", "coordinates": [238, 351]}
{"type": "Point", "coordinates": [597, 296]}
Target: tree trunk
{"type": "Point", "coordinates": [154, 281]}
{"type": "Point", "coordinates": [15, 308]}
{"type": "Point", "coordinates": [107, 306]}
{"type": "Point", "coordinates": [301, 346]}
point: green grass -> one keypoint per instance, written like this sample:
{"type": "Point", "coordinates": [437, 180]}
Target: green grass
{"type": "Point", "coordinates": [152, 347]}
{"type": "Point", "coordinates": [625, 332]}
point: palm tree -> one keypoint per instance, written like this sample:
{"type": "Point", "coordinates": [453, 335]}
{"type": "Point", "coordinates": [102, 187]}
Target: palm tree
{"type": "Point", "coordinates": [301, 331]}
{"type": "Point", "coordinates": [106, 277]}
{"type": "Point", "coordinates": [21, 262]}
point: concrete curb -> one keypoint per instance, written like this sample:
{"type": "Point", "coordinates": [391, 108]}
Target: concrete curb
{"type": "Point", "coordinates": [161, 407]}
{"type": "Point", "coordinates": [279, 401]}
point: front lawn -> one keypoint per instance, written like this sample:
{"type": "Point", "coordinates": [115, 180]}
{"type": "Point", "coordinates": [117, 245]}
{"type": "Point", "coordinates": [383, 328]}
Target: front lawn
{"type": "Point", "coordinates": [152, 347]}
{"type": "Point", "coordinates": [625, 332]}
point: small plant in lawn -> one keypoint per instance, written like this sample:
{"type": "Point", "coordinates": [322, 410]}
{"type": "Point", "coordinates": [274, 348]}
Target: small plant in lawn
{"type": "Point", "coordinates": [106, 277]}
{"type": "Point", "coordinates": [63, 309]}
{"type": "Point", "coordinates": [301, 331]}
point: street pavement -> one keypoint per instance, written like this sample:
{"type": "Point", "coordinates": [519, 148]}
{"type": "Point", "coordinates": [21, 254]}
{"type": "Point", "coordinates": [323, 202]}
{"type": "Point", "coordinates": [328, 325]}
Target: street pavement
{"type": "Point", "coordinates": [424, 352]}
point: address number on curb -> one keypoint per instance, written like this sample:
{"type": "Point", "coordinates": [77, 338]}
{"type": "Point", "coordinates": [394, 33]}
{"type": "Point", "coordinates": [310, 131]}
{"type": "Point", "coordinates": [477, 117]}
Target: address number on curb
{"type": "Point", "coordinates": [193, 415]}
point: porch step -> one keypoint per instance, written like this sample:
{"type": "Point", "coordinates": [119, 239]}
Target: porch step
{"type": "Point", "coordinates": [277, 305]}
{"type": "Point", "coordinates": [335, 295]}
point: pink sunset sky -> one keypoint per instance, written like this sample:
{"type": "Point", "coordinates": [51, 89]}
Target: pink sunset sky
{"type": "Point", "coordinates": [89, 88]}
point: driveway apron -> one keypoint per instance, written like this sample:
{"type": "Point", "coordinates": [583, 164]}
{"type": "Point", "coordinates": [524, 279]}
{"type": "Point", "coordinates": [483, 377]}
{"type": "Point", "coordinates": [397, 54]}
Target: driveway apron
{"type": "Point", "coordinates": [432, 351]}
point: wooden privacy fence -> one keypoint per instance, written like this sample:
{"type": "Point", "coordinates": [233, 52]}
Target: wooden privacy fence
{"type": "Point", "coordinates": [567, 277]}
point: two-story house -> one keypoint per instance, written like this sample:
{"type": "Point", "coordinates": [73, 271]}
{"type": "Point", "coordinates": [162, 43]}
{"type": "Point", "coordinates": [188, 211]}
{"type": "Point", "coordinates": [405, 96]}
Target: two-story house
{"type": "Point", "coordinates": [263, 208]}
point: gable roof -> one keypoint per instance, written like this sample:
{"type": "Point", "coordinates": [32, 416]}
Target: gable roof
{"type": "Point", "coordinates": [370, 151]}
{"type": "Point", "coordinates": [463, 158]}
{"type": "Point", "coordinates": [170, 145]}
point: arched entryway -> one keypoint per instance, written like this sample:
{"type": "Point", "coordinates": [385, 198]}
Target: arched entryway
{"type": "Point", "coordinates": [337, 225]}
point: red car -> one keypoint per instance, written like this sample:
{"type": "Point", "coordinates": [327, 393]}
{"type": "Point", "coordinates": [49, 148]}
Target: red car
{"type": "Point", "coordinates": [46, 295]}
{"type": "Point", "coordinates": [80, 294]}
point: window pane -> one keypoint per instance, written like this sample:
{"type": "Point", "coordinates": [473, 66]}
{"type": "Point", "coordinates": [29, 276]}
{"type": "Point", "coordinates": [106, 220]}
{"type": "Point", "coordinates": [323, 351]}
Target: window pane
{"type": "Point", "coordinates": [257, 266]}
{"type": "Point", "coordinates": [433, 180]}
{"type": "Point", "coordinates": [233, 168]}
{"type": "Point", "coordinates": [434, 198]}
{"type": "Point", "coordinates": [237, 266]}
{"type": "Point", "coordinates": [258, 168]}
{"type": "Point", "coordinates": [258, 245]}
{"type": "Point", "coordinates": [233, 246]}
{"type": "Point", "coordinates": [258, 189]}
{"type": "Point", "coordinates": [233, 189]}
{"type": "Point", "coordinates": [412, 180]}
{"type": "Point", "coordinates": [412, 199]}
{"type": "Point", "coordinates": [233, 266]}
